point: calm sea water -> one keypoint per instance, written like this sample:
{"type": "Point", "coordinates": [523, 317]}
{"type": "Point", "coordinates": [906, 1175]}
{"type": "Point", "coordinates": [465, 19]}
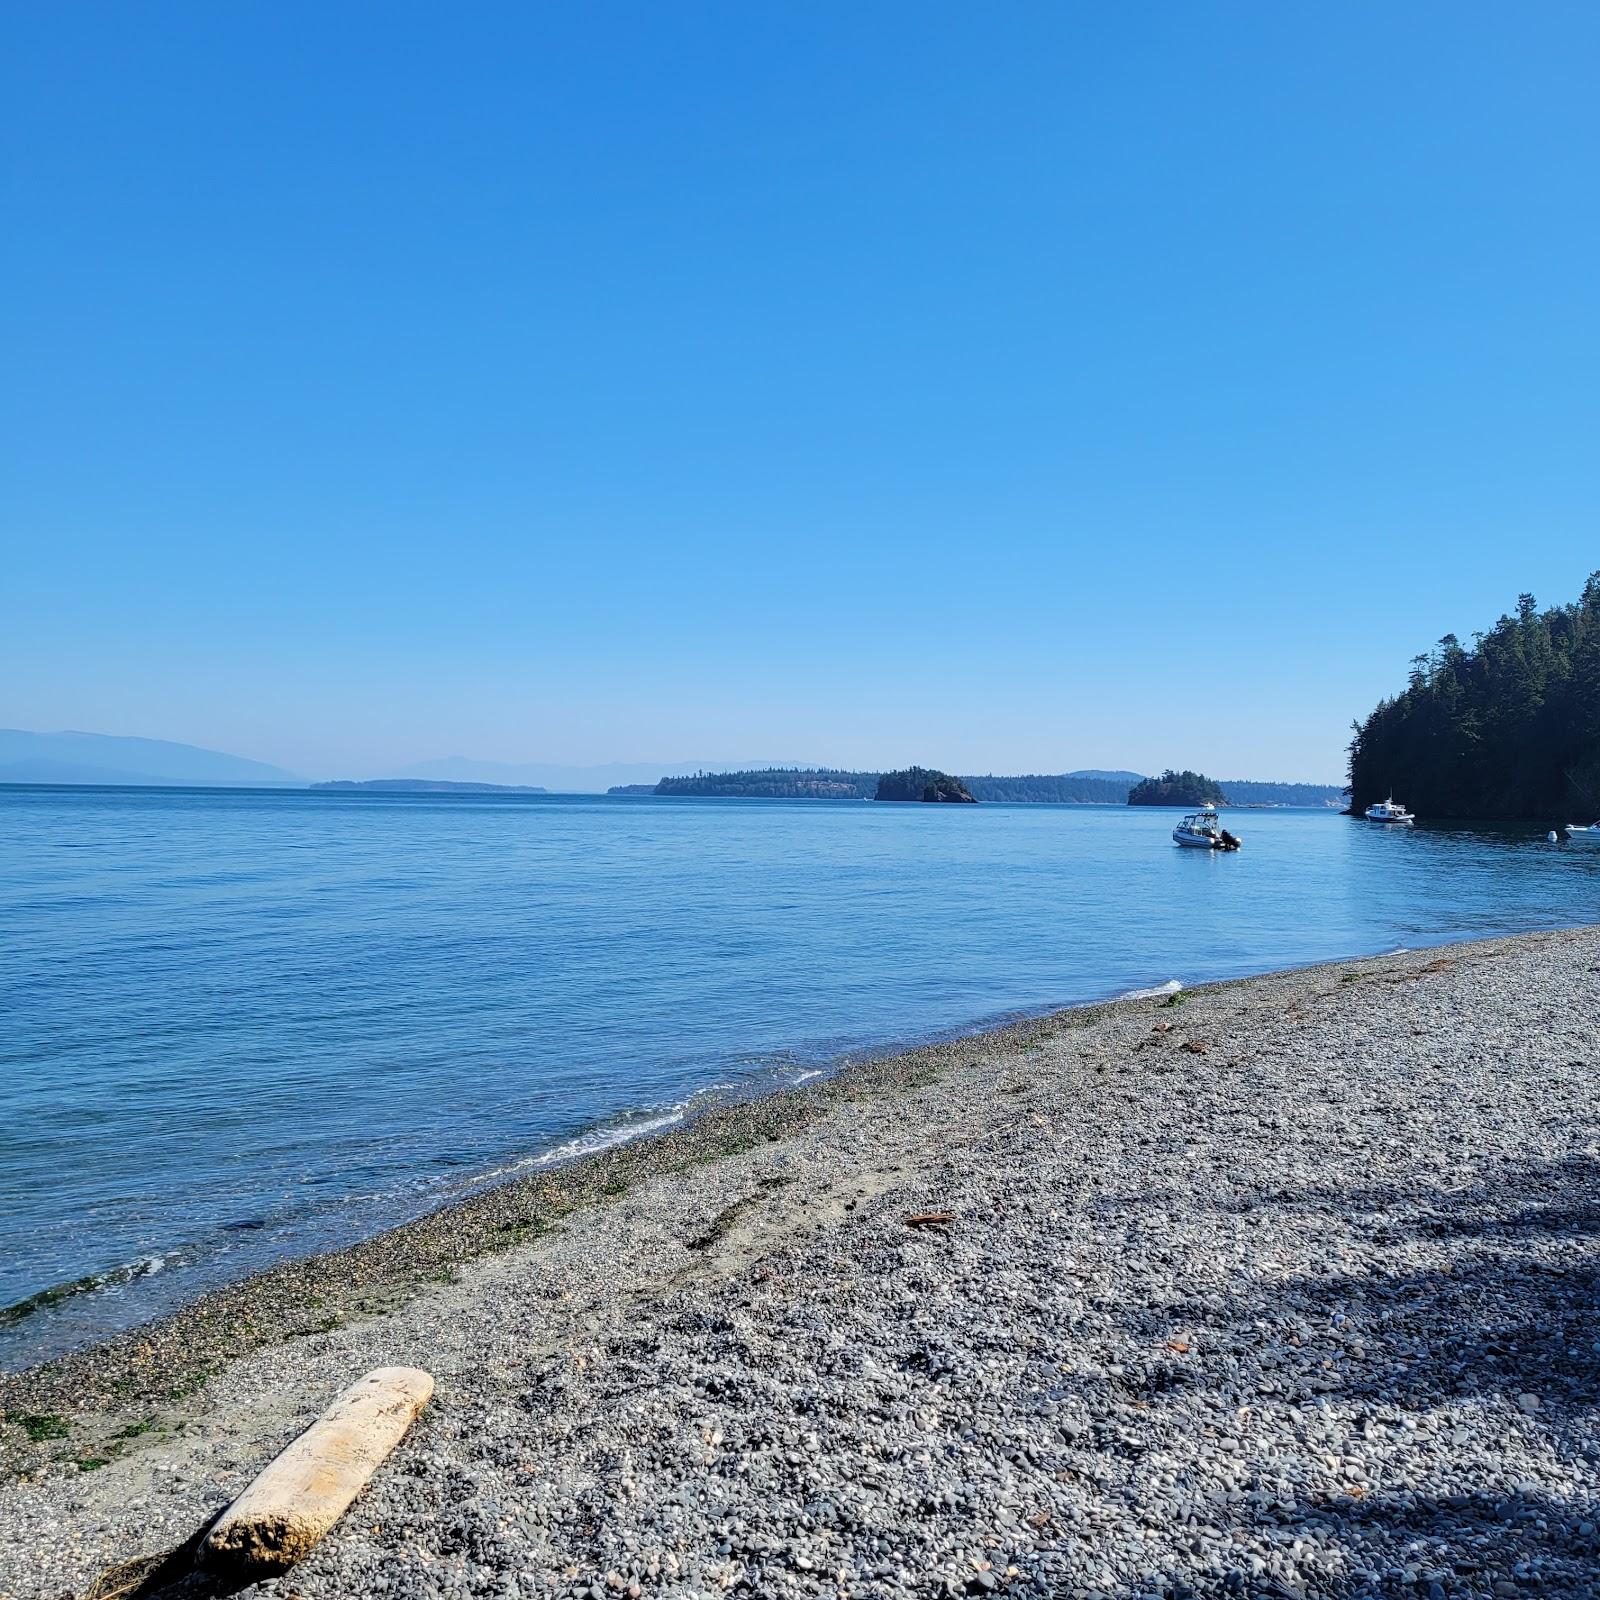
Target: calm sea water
{"type": "Point", "coordinates": [241, 1025]}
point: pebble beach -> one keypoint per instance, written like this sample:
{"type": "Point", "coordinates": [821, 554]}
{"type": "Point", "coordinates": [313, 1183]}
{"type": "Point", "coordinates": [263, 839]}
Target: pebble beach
{"type": "Point", "coordinates": [1284, 1287]}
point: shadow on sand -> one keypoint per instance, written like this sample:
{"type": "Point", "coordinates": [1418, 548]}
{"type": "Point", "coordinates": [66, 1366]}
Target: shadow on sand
{"type": "Point", "coordinates": [1506, 1328]}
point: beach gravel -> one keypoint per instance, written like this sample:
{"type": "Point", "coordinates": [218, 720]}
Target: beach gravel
{"type": "Point", "coordinates": [1287, 1289]}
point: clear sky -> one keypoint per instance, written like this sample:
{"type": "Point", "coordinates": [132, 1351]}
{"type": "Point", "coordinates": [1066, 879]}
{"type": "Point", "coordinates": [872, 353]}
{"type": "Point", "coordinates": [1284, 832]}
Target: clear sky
{"type": "Point", "coordinates": [1011, 387]}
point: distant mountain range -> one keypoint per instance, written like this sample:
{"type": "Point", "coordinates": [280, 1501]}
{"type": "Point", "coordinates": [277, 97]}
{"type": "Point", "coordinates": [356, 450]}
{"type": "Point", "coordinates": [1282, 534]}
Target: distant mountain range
{"type": "Point", "coordinates": [109, 758]}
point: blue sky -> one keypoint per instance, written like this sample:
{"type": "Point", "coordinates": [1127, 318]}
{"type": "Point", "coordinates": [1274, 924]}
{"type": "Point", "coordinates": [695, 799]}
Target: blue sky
{"type": "Point", "coordinates": [1020, 387]}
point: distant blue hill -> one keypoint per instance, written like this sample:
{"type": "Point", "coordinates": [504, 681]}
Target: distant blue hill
{"type": "Point", "coordinates": [1115, 775]}
{"type": "Point", "coordinates": [109, 758]}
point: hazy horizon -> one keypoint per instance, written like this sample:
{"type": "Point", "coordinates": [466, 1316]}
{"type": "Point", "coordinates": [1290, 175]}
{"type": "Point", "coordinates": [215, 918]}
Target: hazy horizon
{"type": "Point", "coordinates": [557, 775]}
{"type": "Point", "coordinates": [419, 765]}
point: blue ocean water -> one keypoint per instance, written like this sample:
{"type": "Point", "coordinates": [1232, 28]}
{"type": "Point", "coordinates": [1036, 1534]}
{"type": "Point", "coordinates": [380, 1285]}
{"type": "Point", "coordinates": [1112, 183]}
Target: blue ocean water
{"type": "Point", "coordinates": [239, 1025]}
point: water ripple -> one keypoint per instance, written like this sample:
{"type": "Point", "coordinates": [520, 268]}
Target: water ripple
{"type": "Point", "coordinates": [244, 1025]}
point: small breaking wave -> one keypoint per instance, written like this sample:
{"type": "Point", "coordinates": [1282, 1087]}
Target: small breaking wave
{"type": "Point", "coordinates": [92, 1283]}
{"type": "Point", "coordinates": [1171, 986]}
{"type": "Point", "coordinates": [607, 1138]}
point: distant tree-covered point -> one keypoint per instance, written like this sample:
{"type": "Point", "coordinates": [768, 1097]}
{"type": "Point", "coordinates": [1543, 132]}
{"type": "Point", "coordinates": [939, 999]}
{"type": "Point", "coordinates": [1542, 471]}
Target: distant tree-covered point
{"type": "Point", "coordinates": [1177, 789]}
{"type": "Point", "coordinates": [923, 783]}
{"type": "Point", "coordinates": [1506, 728]}
{"type": "Point", "coordinates": [1067, 788]}
{"type": "Point", "coordinates": [1250, 792]}
{"type": "Point", "coordinates": [777, 783]}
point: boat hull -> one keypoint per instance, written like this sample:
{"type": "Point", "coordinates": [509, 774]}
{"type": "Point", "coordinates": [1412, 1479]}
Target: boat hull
{"type": "Point", "coordinates": [1194, 841]}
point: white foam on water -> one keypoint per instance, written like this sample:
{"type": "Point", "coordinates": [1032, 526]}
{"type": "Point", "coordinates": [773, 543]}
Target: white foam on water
{"type": "Point", "coordinates": [606, 1137]}
{"type": "Point", "coordinates": [1171, 986]}
{"type": "Point", "coordinates": [128, 1272]}
{"type": "Point", "coordinates": [96, 1283]}
{"type": "Point", "coordinates": [586, 1144]}
{"type": "Point", "coordinates": [807, 1076]}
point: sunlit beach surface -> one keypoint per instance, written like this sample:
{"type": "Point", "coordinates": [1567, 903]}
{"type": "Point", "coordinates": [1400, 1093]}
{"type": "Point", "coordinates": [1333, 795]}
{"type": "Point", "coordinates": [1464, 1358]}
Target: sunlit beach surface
{"type": "Point", "coordinates": [1281, 1286]}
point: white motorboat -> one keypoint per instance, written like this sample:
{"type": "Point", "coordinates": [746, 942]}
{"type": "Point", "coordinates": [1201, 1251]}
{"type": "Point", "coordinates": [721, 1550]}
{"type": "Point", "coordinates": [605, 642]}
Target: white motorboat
{"type": "Point", "coordinates": [1389, 810]}
{"type": "Point", "coordinates": [1200, 830]}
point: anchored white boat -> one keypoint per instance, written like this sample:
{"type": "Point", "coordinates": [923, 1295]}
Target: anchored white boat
{"type": "Point", "coordinates": [1389, 810]}
{"type": "Point", "coordinates": [1203, 830]}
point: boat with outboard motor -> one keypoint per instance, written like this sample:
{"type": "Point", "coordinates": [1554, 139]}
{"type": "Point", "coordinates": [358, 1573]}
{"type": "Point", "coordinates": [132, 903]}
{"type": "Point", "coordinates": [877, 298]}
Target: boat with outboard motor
{"type": "Point", "coordinates": [1203, 830]}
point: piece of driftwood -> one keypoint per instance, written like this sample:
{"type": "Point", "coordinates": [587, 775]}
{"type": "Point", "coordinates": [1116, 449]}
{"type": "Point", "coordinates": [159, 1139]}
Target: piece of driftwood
{"type": "Point", "coordinates": [930, 1219]}
{"type": "Point", "coordinates": [299, 1496]}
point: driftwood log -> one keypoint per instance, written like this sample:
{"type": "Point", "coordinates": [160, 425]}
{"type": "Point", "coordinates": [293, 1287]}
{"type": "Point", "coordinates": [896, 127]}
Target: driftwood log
{"type": "Point", "coordinates": [299, 1496]}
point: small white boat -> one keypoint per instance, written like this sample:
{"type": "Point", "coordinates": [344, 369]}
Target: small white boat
{"type": "Point", "coordinates": [1576, 833]}
{"type": "Point", "coordinates": [1389, 810]}
{"type": "Point", "coordinates": [1200, 830]}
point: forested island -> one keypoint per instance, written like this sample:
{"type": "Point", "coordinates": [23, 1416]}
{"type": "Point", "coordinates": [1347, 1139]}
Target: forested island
{"type": "Point", "coordinates": [923, 784]}
{"type": "Point", "coordinates": [1089, 787]}
{"type": "Point", "coordinates": [1508, 727]}
{"type": "Point", "coordinates": [1177, 789]}
{"type": "Point", "coordinates": [427, 786]}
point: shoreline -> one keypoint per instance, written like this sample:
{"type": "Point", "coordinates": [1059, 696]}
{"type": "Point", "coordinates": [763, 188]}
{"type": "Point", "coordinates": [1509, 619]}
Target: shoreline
{"type": "Point", "coordinates": [303, 1294]}
{"type": "Point", "coordinates": [378, 1272]}
{"type": "Point", "coordinates": [498, 1212]}
{"type": "Point", "coordinates": [1283, 1284]}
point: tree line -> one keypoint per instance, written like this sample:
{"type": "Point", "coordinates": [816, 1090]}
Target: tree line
{"type": "Point", "coordinates": [777, 783]}
{"type": "Point", "coordinates": [1047, 789]}
{"type": "Point", "coordinates": [1507, 727]}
